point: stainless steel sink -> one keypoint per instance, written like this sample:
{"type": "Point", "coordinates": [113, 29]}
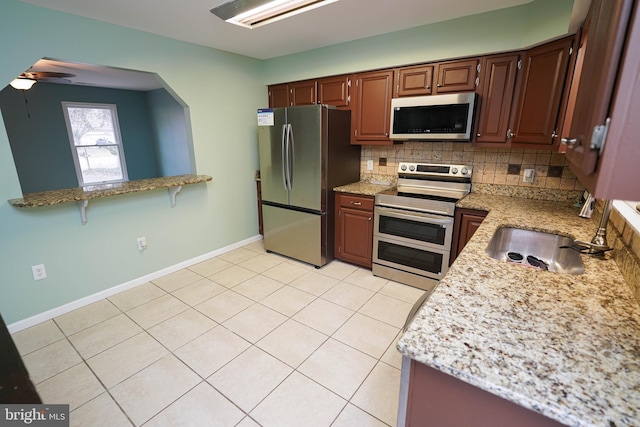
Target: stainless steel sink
{"type": "Point", "coordinates": [545, 251]}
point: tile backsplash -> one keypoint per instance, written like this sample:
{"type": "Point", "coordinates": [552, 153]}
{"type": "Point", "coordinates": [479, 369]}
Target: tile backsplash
{"type": "Point", "coordinates": [494, 166]}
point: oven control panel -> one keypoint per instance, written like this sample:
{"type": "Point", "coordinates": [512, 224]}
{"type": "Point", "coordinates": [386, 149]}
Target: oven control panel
{"type": "Point", "coordinates": [428, 169]}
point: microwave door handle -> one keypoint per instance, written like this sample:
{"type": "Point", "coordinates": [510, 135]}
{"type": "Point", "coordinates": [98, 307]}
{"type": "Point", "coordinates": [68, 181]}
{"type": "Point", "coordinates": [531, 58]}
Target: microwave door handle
{"type": "Point", "coordinates": [283, 150]}
{"type": "Point", "coordinates": [292, 154]}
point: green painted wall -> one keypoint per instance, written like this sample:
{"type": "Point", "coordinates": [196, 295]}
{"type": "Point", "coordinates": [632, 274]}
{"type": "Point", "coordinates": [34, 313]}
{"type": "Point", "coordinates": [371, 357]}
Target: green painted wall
{"type": "Point", "coordinates": [82, 260]}
{"type": "Point", "coordinates": [171, 126]}
{"type": "Point", "coordinates": [505, 29]}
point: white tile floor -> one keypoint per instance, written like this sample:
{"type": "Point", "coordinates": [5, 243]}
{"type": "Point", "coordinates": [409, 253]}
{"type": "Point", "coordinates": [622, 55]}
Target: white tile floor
{"type": "Point", "coordinates": [244, 339]}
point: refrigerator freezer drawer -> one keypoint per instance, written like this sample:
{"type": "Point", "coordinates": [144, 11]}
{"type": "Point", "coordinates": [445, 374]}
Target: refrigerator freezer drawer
{"type": "Point", "coordinates": [295, 234]}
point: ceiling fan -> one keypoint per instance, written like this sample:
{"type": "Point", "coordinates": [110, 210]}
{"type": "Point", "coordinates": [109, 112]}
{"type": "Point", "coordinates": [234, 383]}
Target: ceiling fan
{"type": "Point", "coordinates": [27, 79]}
{"type": "Point", "coordinates": [47, 76]}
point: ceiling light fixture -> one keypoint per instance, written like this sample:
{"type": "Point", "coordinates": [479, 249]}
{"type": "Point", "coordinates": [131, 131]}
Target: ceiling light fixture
{"type": "Point", "coordinates": [256, 13]}
{"type": "Point", "coordinates": [22, 83]}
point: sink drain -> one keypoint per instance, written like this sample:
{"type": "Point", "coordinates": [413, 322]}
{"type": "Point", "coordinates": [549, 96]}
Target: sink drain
{"type": "Point", "coordinates": [514, 257]}
{"type": "Point", "coordinates": [531, 261]}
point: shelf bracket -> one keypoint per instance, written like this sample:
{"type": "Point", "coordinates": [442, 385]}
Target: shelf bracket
{"type": "Point", "coordinates": [172, 194]}
{"type": "Point", "coordinates": [82, 205]}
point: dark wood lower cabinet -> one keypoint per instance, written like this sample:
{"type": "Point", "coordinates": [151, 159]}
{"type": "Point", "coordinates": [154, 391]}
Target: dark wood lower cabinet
{"type": "Point", "coordinates": [354, 229]}
{"type": "Point", "coordinates": [436, 399]}
{"type": "Point", "coordinates": [466, 222]}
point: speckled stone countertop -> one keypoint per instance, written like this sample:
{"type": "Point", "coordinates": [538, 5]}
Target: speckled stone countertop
{"type": "Point", "coordinates": [56, 197]}
{"type": "Point", "coordinates": [566, 346]}
{"type": "Point", "coordinates": [363, 187]}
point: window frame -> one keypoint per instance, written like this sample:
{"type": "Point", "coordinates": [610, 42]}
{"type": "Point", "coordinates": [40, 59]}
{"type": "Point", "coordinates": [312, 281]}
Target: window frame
{"type": "Point", "coordinates": [116, 133]}
{"type": "Point", "coordinates": [629, 212]}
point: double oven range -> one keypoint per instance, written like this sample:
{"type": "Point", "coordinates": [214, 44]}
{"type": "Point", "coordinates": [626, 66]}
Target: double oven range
{"type": "Point", "coordinates": [413, 224]}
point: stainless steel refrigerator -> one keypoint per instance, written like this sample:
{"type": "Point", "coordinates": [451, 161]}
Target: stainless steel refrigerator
{"type": "Point", "coordinates": [305, 152]}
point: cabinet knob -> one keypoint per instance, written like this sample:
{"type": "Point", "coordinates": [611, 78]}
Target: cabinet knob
{"type": "Point", "coordinates": [427, 87]}
{"type": "Point", "coordinates": [439, 85]}
{"type": "Point", "coordinates": [478, 135]}
{"type": "Point", "coordinates": [370, 217]}
{"type": "Point", "coordinates": [570, 141]}
{"type": "Point", "coordinates": [510, 134]}
{"type": "Point", "coordinates": [356, 203]}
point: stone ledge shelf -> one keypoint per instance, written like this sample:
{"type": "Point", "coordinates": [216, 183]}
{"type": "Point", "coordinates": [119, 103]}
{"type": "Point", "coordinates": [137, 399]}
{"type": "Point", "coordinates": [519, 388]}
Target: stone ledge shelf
{"type": "Point", "coordinates": [82, 195]}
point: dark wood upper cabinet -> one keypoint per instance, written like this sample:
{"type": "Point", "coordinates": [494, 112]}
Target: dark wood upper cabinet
{"type": "Point", "coordinates": [456, 76]}
{"type": "Point", "coordinates": [497, 86]}
{"type": "Point", "coordinates": [334, 91]}
{"type": "Point", "coordinates": [372, 108]}
{"type": "Point", "coordinates": [543, 79]}
{"type": "Point", "coordinates": [302, 93]}
{"type": "Point", "coordinates": [278, 95]}
{"type": "Point", "coordinates": [602, 45]}
{"type": "Point", "coordinates": [290, 94]}
{"type": "Point", "coordinates": [413, 81]}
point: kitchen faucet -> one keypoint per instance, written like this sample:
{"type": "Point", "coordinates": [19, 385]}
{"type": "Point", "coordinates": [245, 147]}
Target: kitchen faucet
{"type": "Point", "coordinates": [598, 244]}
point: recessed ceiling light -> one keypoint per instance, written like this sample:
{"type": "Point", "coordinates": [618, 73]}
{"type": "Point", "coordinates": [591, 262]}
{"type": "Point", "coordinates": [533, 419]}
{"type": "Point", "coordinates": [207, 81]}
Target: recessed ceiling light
{"type": "Point", "coordinates": [256, 13]}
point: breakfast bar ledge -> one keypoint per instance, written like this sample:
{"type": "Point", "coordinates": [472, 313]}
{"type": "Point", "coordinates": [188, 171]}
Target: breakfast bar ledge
{"type": "Point", "coordinates": [82, 195]}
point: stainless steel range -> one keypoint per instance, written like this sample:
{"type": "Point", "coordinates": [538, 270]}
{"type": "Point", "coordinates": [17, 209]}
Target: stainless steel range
{"type": "Point", "coordinates": [413, 224]}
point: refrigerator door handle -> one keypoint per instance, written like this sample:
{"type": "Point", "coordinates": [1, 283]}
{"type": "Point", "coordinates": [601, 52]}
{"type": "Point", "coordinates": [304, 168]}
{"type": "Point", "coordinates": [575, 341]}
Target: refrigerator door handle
{"type": "Point", "coordinates": [284, 165]}
{"type": "Point", "coordinates": [292, 162]}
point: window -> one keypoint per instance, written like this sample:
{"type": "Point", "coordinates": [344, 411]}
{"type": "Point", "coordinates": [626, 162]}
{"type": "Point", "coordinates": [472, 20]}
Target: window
{"type": "Point", "coordinates": [630, 212]}
{"type": "Point", "coordinates": [96, 144]}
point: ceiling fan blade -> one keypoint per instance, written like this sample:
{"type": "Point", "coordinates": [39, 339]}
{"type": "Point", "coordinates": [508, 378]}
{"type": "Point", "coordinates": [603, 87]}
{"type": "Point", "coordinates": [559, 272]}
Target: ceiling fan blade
{"type": "Point", "coordinates": [44, 75]}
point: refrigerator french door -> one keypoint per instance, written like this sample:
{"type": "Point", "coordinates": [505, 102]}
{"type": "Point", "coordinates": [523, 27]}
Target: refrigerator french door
{"type": "Point", "coordinates": [299, 160]}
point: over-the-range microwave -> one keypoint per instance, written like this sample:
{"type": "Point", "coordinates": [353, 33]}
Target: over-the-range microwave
{"type": "Point", "coordinates": [436, 117]}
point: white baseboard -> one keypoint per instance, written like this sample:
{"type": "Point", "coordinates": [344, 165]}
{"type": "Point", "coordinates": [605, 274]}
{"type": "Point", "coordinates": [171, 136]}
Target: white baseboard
{"type": "Point", "coordinates": [90, 299]}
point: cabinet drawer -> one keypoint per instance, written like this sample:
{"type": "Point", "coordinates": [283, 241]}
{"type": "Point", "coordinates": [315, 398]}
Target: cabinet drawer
{"type": "Point", "coordinates": [356, 202]}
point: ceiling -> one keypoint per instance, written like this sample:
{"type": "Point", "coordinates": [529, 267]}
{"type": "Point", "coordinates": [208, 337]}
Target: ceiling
{"type": "Point", "coordinates": [343, 21]}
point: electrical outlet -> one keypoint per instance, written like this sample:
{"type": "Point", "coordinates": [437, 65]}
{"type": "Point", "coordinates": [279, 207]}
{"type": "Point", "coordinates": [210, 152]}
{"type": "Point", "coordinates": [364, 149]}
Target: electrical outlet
{"type": "Point", "coordinates": [142, 243]}
{"type": "Point", "coordinates": [528, 175]}
{"type": "Point", "coordinates": [369, 165]}
{"type": "Point", "coordinates": [38, 272]}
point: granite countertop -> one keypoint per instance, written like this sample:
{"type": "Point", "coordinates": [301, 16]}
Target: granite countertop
{"type": "Point", "coordinates": [364, 187]}
{"type": "Point", "coordinates": [56, 197]}
{"type": "Point", "coordinates": [566, 346]}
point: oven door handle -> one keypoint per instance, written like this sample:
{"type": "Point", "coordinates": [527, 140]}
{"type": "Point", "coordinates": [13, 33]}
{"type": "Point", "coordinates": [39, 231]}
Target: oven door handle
{"type": "Point", "coordinates": [433, 219]}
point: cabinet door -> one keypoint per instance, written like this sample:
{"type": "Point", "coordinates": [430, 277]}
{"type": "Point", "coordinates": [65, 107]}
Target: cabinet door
{"type": "Point", "coordinates": [278, 95]}
{"type": "Point", "coordinates": [602, 46]}
{"type": "Point", "coordinates": [543, 77]}
{"type": "Point", "coordinates": [498, 80]}
{"type": "Point", "coordinates": [412, 81]}
{"type": "Point", "coordinates": [371, 114]}
{"type": "Point", "coordinates": [456, 76]}
{"type": "Point", "coordinates": [302, 93]}
{"type": "Point", "coordinates": [466, 223]}
{"type": "Point", "coordinates": [439, 399]}
{"type": "Point", "coordinates": [334, 91]}
{"type": "Point", "coordinates": [356, 239]}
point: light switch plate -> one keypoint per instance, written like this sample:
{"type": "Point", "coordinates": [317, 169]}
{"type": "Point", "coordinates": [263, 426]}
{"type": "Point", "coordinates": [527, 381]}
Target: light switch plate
{"type": "Point", "coordinates": [369, 165]}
